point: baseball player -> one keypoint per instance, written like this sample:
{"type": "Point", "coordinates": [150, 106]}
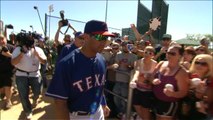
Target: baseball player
{"type": "Point", "coordinates": [78, 82]}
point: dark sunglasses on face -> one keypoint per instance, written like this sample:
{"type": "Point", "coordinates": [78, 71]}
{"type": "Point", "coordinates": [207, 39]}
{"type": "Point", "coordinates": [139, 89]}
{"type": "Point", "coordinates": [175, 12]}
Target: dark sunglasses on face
{"type": "Point", "coordinates": [115, 48]}
{"type": "Point", "coordinates": [171, 53]}
{"type": "Point", "coordinates": [148, 53]}
{"type": "Point", "coordinates": [67, 40]}
{"type": "Point", "coordinates": [201, 63]}
{"type": "Point", "coordinates": [166, 39]}
{"type": "Point", "coordinates": [100, 37]}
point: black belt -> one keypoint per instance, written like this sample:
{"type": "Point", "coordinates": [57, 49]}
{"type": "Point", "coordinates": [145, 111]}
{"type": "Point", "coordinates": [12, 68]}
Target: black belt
{"type": "Point", "coordinates": [81, 113]}
{"type": "Point", "coordinates": [26, 71]}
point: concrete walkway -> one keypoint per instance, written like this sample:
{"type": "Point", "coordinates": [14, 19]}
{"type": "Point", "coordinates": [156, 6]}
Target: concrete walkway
{"type": "Point", "coordinates": [43, 111]}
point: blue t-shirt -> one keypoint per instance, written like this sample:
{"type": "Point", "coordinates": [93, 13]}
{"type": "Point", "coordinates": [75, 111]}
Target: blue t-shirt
{"type": "Point", "coordinates": [79, 80]}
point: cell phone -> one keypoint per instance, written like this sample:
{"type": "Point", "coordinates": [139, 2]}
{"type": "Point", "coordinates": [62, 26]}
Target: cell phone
{"type": "Point", "coordinates": [130, 47]}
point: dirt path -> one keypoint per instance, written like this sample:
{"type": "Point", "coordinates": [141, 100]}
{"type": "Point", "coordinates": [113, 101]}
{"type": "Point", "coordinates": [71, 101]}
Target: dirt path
{"type": "Point", "coordinates": [43, 111]}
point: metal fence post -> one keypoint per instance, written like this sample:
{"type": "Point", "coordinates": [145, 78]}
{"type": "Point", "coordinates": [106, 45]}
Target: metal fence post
{"type": "Point", "coordinates": [129, 100]}
{"type": "Point", "coordinates": [129, 104]}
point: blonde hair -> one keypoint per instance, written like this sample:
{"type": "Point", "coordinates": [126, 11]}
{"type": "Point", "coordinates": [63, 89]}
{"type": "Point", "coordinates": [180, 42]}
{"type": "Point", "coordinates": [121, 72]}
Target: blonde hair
{"type": "Point", "coordinates": [150, 48]}
{"type": "Point", "coordinates": [208, 59]}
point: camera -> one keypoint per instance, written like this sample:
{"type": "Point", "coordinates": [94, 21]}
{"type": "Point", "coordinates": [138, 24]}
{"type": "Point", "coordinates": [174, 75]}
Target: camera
{"type": "Point", "coordinates": [63, 21]}
{"type": "Point", "coordinates": [9, 26]}
{"type": "Point", "coordinates": [27, 39]}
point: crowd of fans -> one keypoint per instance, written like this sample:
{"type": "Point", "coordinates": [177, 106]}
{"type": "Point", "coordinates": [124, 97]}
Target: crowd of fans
{"type": "Point", "coordinates": [170, 81]}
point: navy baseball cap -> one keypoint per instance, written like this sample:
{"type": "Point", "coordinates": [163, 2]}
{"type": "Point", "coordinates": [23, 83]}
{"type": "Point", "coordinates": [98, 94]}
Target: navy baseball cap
{"type": "Point", "coordinates": [97, 27]}
{"type": "Point", "coordinates": [78, 34]}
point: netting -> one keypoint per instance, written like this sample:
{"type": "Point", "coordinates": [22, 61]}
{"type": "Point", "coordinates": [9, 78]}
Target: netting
{"type": "Point", "coordinates": [52, 26]}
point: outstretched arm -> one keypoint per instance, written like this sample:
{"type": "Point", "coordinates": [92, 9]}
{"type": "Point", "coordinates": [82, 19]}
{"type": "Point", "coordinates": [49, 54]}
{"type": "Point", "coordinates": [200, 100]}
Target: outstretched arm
{"type": "Point", "coordinates": [151, 38]}
{"type": "Point", "coordinates": [72, 29]}
{"type": "Point", "coordinates": [137, 34]}
{"type": "Point", "coordinates": [57, 33]}
{"type": "Point", "coordinates": [5, 31]}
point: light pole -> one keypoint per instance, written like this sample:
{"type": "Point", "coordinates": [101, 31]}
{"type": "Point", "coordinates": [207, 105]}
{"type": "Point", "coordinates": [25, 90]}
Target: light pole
{"type": "Point", "coordinates": [32, 28]}
{"type": "Point", "coordinates": [36, 8]}
{"type": "Point", "coordinates": [50, 10]}
{"type": "Point", "coordinates": [106, 10]}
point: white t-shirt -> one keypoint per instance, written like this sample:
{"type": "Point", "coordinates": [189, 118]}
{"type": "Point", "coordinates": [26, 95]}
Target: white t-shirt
{"type": "Point", "coordinates": [29, 62]}
{"type": "Point", "coordinates": [140, 67]}
{"type": "Point", "coordinates": [152, 66]}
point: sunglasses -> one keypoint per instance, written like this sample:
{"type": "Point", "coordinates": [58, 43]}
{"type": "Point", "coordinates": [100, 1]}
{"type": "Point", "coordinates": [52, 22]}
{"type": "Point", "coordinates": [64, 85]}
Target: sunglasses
{"type": "Point", "coordinates": [201, 63]}
{"type": "Point", "coordinates": [166, 39]}
{"type": "Point", "coordinates": [148, 53]}
{"type": "Point", "coordinates": [171, 53]}
{"type": "Point", "coordinates": [100, 37]}
{"type": "Point", "coordinates": [67, 40]}
{"type": "Point", "coordinates": [115, 48]}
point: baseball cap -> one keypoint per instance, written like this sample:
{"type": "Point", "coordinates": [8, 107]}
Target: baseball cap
{"type": "Point", "coordinates": [168, 36]}
{"type": "Point", "coordinates": [78, 34]}
{"type": "Point", "coordinates": [97, 27]}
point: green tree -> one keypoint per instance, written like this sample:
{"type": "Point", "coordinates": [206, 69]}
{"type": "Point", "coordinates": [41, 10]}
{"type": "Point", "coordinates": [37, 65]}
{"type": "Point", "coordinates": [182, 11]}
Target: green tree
{"type": "Point", "coordinates": [198, 37]}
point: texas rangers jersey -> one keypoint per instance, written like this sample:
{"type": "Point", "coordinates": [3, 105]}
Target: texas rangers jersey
{"type": "Point", "coordinates": [79, 80]}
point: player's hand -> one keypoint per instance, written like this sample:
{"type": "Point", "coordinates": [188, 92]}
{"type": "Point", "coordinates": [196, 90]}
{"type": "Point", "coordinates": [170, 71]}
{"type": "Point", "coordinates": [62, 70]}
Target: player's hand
{"type": "Point", "coordinates": [106, 110]}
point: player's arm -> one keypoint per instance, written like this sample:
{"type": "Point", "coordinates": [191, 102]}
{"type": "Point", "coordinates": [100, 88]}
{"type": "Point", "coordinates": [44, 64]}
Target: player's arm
{"type": "Point", "coordinates": [61, 110]}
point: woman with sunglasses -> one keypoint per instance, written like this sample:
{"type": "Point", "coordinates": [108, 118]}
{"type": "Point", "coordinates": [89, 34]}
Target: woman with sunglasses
{"type": "Point", "coordinates": [143, 95]}
{"type": "Point", "coordinates": [170, 84]}
{"type": "Point", "coordinates": [201, 94]}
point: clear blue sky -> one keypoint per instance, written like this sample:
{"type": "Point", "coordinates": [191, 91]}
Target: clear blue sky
{"type": "Point", "coordinates": [185, 17]}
